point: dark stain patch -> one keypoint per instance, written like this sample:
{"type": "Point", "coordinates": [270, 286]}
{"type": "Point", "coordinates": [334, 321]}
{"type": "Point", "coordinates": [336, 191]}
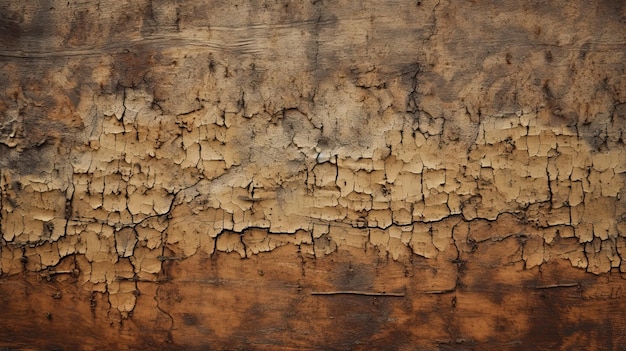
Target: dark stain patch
{"type": "Point", "coordinates": [592, 335]}
{"type": "Point", "coordinates": [509, 58]}
{"type": "Point", "coordinates": [129, 69]}
{"type": "Point", "coordinates": [28, 161]}
{"type": "Point", "coordinates": [584, 49]}
{"type": "Point", "coordinates": [10, 31]}
{"type": "Point", "coordinates": [611, 11]}
{"type": "Point", "coordinates": [545, 327]}
{"type": "Point", "coordinates": [363, 321]}
{"type": "Point", "coordinates": [30, 26]}
{"type": "Point", "coordinates": [211, 64]}
{"type": "Point", "coordinates": [548, 56]}
{"type": "Point", "coordinates": [363, 318]}
{"type": "Point", "coordinates": [351, 276]}
{"type": "Point", "coordinates": [549, 94]}
{"type": "Point", "coordinates": [190, 319]}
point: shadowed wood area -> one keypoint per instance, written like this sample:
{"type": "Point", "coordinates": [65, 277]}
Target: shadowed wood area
{"type": "Point", "coordinates": [312, 175]}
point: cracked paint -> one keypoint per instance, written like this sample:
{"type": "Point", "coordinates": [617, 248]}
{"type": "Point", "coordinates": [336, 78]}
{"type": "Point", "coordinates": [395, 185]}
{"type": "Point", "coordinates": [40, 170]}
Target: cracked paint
{"type": "Point", "coordinates": [308, 131]}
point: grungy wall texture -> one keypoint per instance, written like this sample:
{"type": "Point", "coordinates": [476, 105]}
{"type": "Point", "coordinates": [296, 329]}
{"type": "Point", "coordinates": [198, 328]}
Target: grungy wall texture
{"type": "Point", "coordinates": [313, 174]}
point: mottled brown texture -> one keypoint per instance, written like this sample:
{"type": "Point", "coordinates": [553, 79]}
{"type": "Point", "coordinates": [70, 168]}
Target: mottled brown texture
{"type": "Point", "coordinates": [223, 174]}
{"type": "Point", "coordinates": [266, 302]}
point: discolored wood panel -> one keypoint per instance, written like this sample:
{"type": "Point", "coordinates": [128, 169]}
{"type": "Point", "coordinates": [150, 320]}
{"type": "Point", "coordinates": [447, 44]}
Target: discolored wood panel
{"type": "Point", "coordinates": [281, 301]}
{"type": "Point", "coordinates": [312, 174]}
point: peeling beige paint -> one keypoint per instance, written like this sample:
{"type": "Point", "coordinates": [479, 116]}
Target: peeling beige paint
{"type": "Point", "coordinates": [255, 154]}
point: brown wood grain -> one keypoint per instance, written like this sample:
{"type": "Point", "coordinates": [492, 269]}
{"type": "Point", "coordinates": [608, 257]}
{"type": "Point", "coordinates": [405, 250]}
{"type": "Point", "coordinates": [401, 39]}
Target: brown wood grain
{"type": "Point", "coordinates": [481, 301]}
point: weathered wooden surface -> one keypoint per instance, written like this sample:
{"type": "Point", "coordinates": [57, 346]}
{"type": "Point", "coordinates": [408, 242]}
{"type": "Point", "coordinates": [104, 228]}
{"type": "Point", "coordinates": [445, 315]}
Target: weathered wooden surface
{"type": "Point", "coordinates": [324, 175]}
{"type": "Point", "coordinates": [486, 300]}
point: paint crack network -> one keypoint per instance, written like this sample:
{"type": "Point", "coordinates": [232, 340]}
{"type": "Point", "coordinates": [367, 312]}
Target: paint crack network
{"type": "Point", "coordinates": [243, 139]}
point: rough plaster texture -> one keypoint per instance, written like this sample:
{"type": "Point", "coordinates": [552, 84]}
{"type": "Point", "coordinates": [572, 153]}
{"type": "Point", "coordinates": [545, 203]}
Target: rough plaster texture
{"type": "Point", "coordinates": [133, 135]}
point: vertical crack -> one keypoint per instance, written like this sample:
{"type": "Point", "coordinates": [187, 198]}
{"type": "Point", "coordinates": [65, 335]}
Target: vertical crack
{"type": "Point", "coordinates": [433, 30]}
{"type": "Point", "coordinates": [157, 299]}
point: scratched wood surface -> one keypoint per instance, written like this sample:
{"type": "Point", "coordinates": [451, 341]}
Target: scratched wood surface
{"type": "Point", "coordinates": [312, 175]}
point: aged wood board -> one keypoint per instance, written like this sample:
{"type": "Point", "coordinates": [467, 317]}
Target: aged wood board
{"type": "Point", "coordinates": [323, 175]}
